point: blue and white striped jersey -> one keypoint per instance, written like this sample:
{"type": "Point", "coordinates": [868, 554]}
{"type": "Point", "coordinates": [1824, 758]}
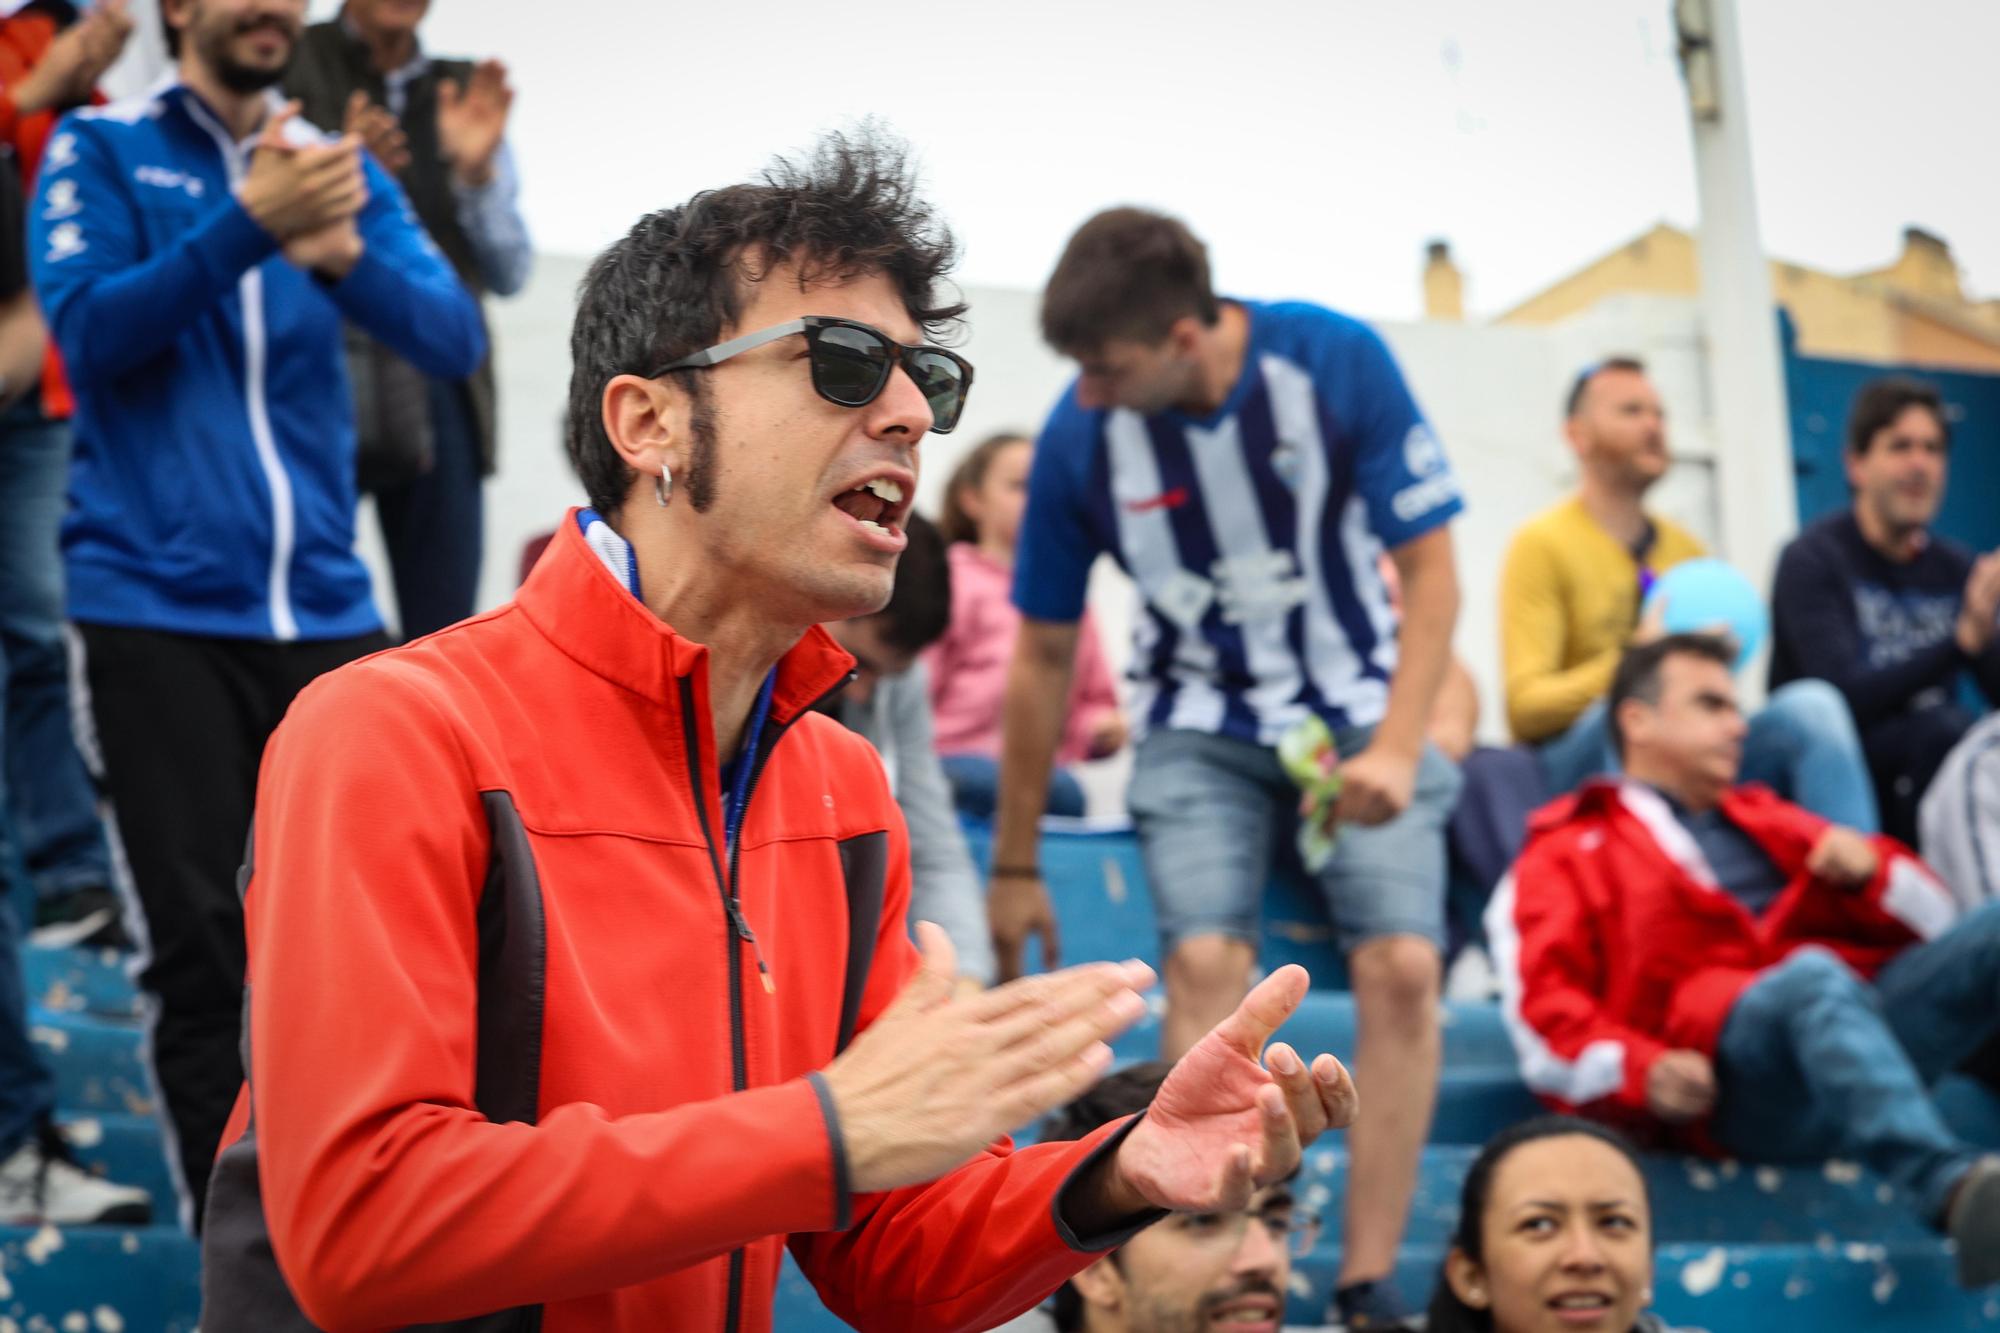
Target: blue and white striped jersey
{"type": "Point", "coordinates": [1253, 534]}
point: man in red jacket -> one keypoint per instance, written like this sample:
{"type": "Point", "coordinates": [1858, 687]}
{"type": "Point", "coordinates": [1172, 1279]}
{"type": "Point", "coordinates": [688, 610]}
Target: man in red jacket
{"type": "Point", "coordinates": [1676, 950]}
{"type": "Point", "coordinates": [580, 985]}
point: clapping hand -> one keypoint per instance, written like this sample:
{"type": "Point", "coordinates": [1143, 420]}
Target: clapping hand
{"type": "Point", "coordinates": [1233, 1116]}
{"type": "Point", "coordinates": [376, 126]}
{"type": "Point", "coordinates": [472, 121]}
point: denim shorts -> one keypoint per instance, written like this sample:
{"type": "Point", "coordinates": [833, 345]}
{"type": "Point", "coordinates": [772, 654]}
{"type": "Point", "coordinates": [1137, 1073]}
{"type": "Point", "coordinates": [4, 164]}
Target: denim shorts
{"type": "Point", "coordinates": [1215, 815]}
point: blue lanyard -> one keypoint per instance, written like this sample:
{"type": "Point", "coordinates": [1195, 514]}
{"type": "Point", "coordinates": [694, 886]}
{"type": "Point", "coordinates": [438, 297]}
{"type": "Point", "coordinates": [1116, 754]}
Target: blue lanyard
{"type": "Point", "coordinates": [746, 762]}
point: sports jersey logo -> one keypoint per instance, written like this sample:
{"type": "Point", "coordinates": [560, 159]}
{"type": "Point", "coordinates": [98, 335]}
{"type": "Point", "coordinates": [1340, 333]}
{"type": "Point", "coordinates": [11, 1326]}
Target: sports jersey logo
{"type": "Point", "coordinates": [1422, 453]}
{"type": "Point", "coordinates": [1285, 464]}
{"type": "Point", "coordinates": [64, 241]}
{"type": "Point", "coordinates": [166, 178]}
{"type": "Point", "coordinates": [61, 153]}
{"type": "Point", "coordinates": [61, 200]}
{"type": "Point", "coordinates": [1172, 499]}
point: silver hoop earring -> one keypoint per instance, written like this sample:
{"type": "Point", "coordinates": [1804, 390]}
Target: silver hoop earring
{"type": "Point", "coordinates": [663, 485]}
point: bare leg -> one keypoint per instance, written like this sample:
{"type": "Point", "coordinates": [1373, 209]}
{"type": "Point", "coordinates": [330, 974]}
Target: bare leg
{"type": "Point", "coordinates": [1397, 1055]}
{"type": "Point", "coordinates": [1207, 977]}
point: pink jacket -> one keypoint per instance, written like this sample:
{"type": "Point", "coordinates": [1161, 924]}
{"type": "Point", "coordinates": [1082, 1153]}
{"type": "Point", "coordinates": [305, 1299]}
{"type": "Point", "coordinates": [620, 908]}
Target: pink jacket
{"type": "Point", "coordinates": [968, 666]}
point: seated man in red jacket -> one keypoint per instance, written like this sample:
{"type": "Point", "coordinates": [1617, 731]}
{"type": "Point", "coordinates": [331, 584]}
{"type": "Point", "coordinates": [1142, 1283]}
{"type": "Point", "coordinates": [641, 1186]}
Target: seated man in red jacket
{"type": "Point", "coordinates": [580, 986]}
{"type": "Point", "coordinates": [1676, 950]}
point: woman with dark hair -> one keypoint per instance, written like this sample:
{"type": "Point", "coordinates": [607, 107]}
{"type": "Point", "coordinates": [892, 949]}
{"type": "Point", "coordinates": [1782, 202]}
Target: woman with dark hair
{"type": "Point", "coordinates": [1555, 1232]}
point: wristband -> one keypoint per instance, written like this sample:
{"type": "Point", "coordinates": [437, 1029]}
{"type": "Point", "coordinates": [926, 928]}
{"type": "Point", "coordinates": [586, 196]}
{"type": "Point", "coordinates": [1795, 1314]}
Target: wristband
{"type": "Point", "coordinates": [1016, 872]}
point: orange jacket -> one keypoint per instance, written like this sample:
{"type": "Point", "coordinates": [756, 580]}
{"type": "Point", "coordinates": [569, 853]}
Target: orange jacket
{"type": "Point", "coordinates": [508, 1047]}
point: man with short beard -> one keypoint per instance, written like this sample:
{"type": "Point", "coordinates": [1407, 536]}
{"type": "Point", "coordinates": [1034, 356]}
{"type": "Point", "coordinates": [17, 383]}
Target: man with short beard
{"type": "Point", "coordinates": [1189, 1273]}
{"type": "Point", "coordinates": [426, 444]}
{"type": "Point", "coordinates": [1894, 615]}
{"type": "Point", "coordinates": [195, 250]}
{"type": "Point", "coordinates": [581, 987]}
{"type": "Point", "coordinates": [1572, 587]}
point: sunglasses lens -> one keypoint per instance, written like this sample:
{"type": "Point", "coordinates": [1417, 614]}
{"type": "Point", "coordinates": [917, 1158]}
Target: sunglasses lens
{"type": "Point", "coordinates": [942, 381]}
{"type": "Point", "coordinates": [849, 366]}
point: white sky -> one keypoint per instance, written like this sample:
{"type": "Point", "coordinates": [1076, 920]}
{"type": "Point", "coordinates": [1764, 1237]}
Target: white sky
{"type": "Point", "coordinates": [1315, 144]}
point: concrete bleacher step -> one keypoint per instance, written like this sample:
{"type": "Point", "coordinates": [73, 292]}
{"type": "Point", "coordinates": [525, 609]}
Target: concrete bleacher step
{"type": "Point", "coordinates": [1902, 1286]}
{"type": "Point", "coordinates": [1474, 1035]}
{"type": "Point", "coordinates": [1693, 1200]}
{"type": "Point", "coordinates": [124, 1148]}
{"type": "Point", "coordinates": [1097, 883]}
{"type": "Point", "coordinates": [80, 981]}
{"type": "Point", "coordinates": [98, 1062]}
{"type": "Point", "coordinates": [99, 1280]}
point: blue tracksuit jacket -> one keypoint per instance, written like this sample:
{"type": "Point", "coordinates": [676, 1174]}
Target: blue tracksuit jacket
{"type": "Point", "coordinates": [213, 486]}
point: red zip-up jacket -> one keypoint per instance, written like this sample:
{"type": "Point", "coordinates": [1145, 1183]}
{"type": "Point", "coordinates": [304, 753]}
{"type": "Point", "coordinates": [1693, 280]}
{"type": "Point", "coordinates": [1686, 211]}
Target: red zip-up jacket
{"type": "Point", "coordinates": [513, 1061]}
{"type": "Point", "coordinates": [1615, 944]}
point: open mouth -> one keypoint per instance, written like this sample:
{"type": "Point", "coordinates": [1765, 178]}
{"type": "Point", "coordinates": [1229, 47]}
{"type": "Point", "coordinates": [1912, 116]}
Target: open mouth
{"type": "Point", "coordinates": [878, 507]}
{"type": "Point", "coordinates": [1256, 1314]}
{"type": "Point", "coordinates": [1581, 1307]}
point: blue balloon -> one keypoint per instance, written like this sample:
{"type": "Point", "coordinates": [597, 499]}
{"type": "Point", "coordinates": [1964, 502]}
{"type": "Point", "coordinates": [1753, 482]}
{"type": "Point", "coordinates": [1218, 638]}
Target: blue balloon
{"type": "Point", "coordinates": [1707, 594]}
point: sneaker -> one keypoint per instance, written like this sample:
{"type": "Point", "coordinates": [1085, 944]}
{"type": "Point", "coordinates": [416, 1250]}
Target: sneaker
{"type": "Point", "coordinates": [39, 1185]}
{"type": "Point", "coordinates": [89, 918]}
{"type": "Point", "coordinates": [1973, 1222]}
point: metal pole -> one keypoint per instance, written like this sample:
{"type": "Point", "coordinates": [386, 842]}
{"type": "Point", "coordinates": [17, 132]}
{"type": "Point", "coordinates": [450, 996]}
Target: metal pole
{"type": "Point", "coordinates": [1756, 490]}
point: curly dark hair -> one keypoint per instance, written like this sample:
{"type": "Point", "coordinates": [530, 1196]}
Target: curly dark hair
{"type": "Point", "coordinates": [675, 281]}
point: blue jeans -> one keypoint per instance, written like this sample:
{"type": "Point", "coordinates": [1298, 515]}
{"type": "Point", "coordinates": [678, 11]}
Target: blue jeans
{"type": "Point", "coordinates": [434, 527]}
{"type": "Point", "coordinates": [1802, 743]}
{"type": "Point", "coordinates": [975, 786]}
{"type": "Point", "coordinates": [27, 1086]}
{"type": "Point", "coordinates": [51, 806]}
{"type": "Point", "coordinates": [1814, 1062]}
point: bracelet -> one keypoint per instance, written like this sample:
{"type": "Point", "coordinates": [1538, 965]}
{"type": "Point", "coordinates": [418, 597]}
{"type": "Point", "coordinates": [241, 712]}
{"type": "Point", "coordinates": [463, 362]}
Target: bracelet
{"type": "Point", "coordinates": [1015, 872]}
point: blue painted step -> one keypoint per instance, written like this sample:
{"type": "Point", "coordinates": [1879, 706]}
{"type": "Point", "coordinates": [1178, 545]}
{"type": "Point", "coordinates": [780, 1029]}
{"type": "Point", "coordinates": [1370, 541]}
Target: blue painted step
{"type": "Point", "coordinates": [1474, 1035]}
{"type": "Point", "coordinates": [1901, 1287]}
{"type": "Point", "coordinates": [127, 1149]}
{"type": "Point", "coordinates": [139, 1280]}
{"type": "Point", "coordinates": [1693, 1200]}
{"type": "Point", "coordinates": [1103, 910]}
{"type": "Point", "coordinates": [97, 1062]}
{"type": "Point", "coordinates": [89, 981]}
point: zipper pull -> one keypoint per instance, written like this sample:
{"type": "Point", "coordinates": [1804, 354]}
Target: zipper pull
{"type": "Point", "coordinates": [744, 932]}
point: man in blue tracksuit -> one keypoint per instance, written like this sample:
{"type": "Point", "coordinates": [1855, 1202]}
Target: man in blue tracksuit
{"type": "Point", "coordinates": [195, 250]}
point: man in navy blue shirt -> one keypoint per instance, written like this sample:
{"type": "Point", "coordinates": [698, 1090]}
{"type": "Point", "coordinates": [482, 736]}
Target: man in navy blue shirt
{"type": "Point", "coordinates": [195, 250]}
{"type": "Point", "coordinates": [1889, 612]}
{"type": "Point", "coordinates": [1247, 464]}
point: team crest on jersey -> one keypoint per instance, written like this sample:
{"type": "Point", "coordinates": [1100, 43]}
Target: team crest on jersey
{"type": "Point", "coordinates": [61, 200]}
{"type": "Point", "coordinates": [1422, 453]}
{"type": "Point", "coordinates": [66, 240]}
{"type": "Point", "coordinates": [1285, 464]}
{"type": "Point", "coordinates": [60, 153]}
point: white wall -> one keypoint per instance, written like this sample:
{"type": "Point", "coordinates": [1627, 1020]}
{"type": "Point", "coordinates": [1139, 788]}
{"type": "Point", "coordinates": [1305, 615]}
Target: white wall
{"type": "Point", "coordinates": [1494, 393]}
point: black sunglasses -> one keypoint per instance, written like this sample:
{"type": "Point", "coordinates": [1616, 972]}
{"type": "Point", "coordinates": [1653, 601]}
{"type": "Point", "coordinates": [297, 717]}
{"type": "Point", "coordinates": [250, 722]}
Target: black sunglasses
{"type": "Point", "coordinates": [851, 364]}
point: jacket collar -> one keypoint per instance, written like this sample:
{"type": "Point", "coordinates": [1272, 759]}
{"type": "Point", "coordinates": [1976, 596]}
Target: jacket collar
{"type": "Point", "coordinates": [594, 616]}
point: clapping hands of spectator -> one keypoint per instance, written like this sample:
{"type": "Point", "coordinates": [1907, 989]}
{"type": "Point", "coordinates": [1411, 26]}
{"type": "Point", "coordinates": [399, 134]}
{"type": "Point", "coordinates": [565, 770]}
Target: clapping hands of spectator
{"type": "Point", "coordinates": [1680, 1087]}
{"type": "Point", "coordinates": [69, 70]}
{"type": "Point", "coordinates": [1225, 1124]}
{"type": "Point", "coordinates": [940, 1075]}
{"type": "Point", "coordinates": [1981, 605]}
{"type": "Point", "coordinates": [472, 121]}
{"type": "Point", "coordinates": [307, 195]}
{"type": "Point", "coordinates": [376, 126]}
{"type": "Point", "coordinates": [1843, 858]}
